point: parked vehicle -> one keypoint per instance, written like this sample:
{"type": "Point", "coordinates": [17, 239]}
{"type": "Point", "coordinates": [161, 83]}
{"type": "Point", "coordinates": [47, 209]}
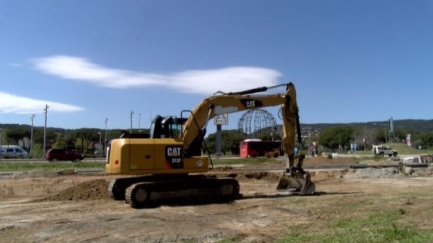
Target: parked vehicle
{"type": "Point", "coordinates": [13, 151]}
{"type": "Point", "coordinates": [257, 148]}
{"type": "Point", "coordinates": [63, 154]}
{"type": "Point", "coordinates": [275, 153]}
{"type": "Point", "coordinates": [418, 159]}
{"type": "Point", "coordinates": [384, 150]}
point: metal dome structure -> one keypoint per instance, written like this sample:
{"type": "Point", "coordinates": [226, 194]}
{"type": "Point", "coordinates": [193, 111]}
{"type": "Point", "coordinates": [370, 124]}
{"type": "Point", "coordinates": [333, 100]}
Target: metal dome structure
{"type": "Point", "coordinates": [257, 121]}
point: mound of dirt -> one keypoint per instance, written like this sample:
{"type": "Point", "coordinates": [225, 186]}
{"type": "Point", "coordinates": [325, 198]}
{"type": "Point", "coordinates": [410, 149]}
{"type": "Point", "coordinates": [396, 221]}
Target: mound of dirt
{"type": "Point", "coordinates": [324, 160]}
{"type": "Point", "coordinates": [90, 190]}
{"type": "Point", "coordinates": [374, 173]}
{"type": "Point", "coordinates": [223, 168]}
{"type": "Point", "coordinates": [259, 176]}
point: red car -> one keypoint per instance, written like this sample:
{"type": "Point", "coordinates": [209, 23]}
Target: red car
{"type": "Point", "coordinates": [63, 154]}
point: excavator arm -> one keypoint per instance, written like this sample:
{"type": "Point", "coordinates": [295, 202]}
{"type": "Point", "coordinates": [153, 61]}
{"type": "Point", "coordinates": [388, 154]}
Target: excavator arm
{"type": "Point", "coordinates": [195, 127]}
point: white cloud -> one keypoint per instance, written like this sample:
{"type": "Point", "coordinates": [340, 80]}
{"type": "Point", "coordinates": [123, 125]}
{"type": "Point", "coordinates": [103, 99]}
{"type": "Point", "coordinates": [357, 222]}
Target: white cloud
{"type": "Point", "coordinates": [194, 81]}
{"type": "Point", "coordinates": [22, 105]}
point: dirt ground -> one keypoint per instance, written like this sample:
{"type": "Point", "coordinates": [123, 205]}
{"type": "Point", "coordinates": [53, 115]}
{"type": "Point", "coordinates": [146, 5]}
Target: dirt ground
{"type": "Point", "coordinates": [77, 208]}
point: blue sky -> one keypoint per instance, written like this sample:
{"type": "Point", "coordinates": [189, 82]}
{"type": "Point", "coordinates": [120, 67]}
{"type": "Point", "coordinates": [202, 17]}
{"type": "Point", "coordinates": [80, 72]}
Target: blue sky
{"type": "Point", "coordinates": [351, 61]}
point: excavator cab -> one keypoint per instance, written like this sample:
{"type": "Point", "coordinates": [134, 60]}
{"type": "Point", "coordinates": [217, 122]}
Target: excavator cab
{"type": "Point", "coordinates": [166, 127]}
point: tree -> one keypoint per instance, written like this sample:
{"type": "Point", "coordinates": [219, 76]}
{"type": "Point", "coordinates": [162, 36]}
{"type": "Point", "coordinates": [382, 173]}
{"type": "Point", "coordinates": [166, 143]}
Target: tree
{"type": "Point", "coordinates": [16, 134]}
{"type": "Point", "coordinates": [60, 141]}
{"type": "Point", "coordinates": [426, 140]}
{"type": "Point", "coordinates": [85, 137]}
{"type": "Point", "coordinates": [229, 141]}
{"type": "Point", "coordinates": [4, 137]}
{"type": "Point", "coordinates": [362, 133]}
{"type": "Point", "coordinates": [334, 137]}
{"type": "Point", "coordinates": [269, 136]}
{"type": "Point", "coordinates": [37, 151]}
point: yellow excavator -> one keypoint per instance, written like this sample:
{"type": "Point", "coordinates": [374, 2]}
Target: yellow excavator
{"type": "Point", "coordinates": [168, 164]}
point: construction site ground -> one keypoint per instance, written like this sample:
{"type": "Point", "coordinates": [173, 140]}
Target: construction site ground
{"type": "Point", "coordinates": [46, 207]}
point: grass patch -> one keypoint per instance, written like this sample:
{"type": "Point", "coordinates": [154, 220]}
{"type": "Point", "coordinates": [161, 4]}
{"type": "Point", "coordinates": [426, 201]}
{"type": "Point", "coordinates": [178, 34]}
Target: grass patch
{"type": "Point", "coordinates": [377, 228]}
{"type": "Point", "coordinates": [53, 166]}
{"type": "Point", "coordinates": [49, 166]}
{"type": "Point", "coordinates": [400, 147]}
{"type": "Point", "coordinates": [230, 239]}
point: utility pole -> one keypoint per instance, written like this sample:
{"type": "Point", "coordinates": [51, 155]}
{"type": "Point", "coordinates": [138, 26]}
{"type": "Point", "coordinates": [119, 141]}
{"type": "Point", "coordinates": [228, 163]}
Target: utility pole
{"type": "Point", "coordinates": [130, 116]}
{"type": "Point", "coordinates": [45, 129]}
{"type": "Point", "coordinates": [105, 134]}
{"type": "Point", "coordinates": [1, 137]}
{"type": "Point", "coordinates": [100, 145]}
{"type": "Point", "coordinates": [31, 134]}
{"type": "Point", "coordinates": [139, 122]}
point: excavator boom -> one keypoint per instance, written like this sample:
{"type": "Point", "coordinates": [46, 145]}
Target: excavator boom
{"type": "Point", "coordinates": [195, 127]}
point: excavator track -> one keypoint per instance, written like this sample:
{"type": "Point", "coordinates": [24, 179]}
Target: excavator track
{"type": "Point", "coordinates": [113, 189]}
{"type": "Point", "coordinates": [117, 186]}
{"type": "Point", "coordinates": [192, 189]}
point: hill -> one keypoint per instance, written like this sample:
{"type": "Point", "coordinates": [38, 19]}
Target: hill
{"type": "Point", "coordinates": [408, 125]}
{"type": "Point", "coordinates": [412, 125]}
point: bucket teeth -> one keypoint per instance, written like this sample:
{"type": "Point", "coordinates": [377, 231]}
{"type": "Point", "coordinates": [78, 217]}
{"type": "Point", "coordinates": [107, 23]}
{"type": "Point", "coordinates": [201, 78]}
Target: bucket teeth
{"type": "Point", "coordinates": [300, 182]}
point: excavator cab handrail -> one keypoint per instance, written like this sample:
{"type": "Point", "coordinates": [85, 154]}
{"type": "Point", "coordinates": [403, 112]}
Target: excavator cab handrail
{"type": "Point", "coordinates": [198, 127]}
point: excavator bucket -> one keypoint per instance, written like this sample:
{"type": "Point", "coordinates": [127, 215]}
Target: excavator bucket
{"type": "Point", "coordinates": [299, 182]}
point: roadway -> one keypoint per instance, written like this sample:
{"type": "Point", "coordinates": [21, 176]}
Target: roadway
{"type": "Point", "coordinates": [6, 175]}
{"type": "Point", "coordinates": [213, 157]}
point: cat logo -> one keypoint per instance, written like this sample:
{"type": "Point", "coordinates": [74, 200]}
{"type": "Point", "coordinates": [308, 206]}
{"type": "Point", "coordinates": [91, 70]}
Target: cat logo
{"type": "Point", "coordinates": [251, 104]}
{"type": "Point", "coordinates": [174, 151]}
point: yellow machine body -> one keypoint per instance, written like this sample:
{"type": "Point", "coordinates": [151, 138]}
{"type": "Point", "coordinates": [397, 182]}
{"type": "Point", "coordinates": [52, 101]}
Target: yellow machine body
{"type": "Point", "coordinates": [152, 156]}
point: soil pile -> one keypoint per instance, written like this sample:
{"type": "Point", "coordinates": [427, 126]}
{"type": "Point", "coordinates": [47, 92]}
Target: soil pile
{"type": "Point", "coordinates": [374, 173]}
{"type": "Point", "coordinates": [245, 176]}
{"type": "Point", "coordinates": [320, 160]}
{"type": "Point", "coordinates": [90, 190]}
{"type": "Point", "coordinates": [261, 176]}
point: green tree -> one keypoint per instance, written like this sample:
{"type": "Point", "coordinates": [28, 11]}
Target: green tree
{"type": "Point", "coordinates": [269, 136]}
{"type": "Point", "coordinates": [17, 133]}
{"type": "Point", "coordinates": [229, 141]}
{"type": "Point", "coordinates": [4, 137]}
{"type": "Point", "coordinates": [210, 144]}
{"type": "Point", "coordinates": [37, 151]}
{"type": "Point", "coordinates": [60, 141]}
{"type": "Point", "coordinates": [426, 140]}
{"type": "Point", "coordinates": [335, 136]}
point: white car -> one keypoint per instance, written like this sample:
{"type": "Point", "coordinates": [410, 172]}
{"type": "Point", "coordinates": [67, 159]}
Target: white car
{"type": "Point", "coordinates": [13, 151]}
{"type": "Point", "coordinates": [411, 160]}
{"type": "Point", "coordinates": [419, 159]}
{"type": "Point", "coordinates": [384, 150]}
